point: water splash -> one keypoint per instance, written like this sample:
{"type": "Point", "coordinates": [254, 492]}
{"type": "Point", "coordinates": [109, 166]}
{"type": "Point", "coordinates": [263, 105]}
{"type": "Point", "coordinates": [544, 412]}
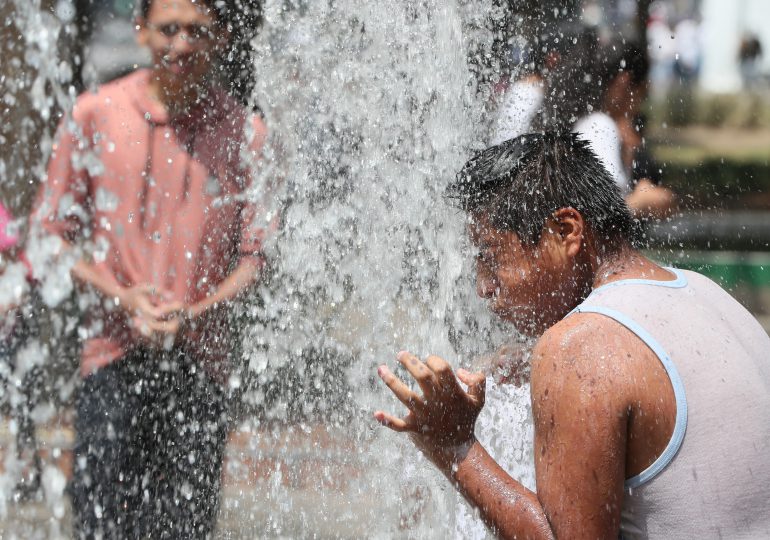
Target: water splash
{"type": "Point", "coordinates": [373, 108]}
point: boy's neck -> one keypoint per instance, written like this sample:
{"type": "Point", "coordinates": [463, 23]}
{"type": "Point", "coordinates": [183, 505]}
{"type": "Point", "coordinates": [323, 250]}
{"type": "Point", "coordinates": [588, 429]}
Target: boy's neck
{"type": "Point", "coordinates": [627, 263]}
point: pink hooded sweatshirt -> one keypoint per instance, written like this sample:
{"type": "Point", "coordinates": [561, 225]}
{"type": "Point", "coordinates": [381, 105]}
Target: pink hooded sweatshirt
{"type": "Point", "coordinates": [159, 198]}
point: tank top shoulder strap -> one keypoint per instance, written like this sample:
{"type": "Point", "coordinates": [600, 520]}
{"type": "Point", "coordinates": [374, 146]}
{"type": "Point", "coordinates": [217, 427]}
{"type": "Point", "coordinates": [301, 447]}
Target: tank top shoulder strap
{"type": "Point", "coordinates": [680, 424]}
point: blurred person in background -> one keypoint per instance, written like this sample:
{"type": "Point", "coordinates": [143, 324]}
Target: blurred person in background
{"type": "Point", "coordinates": [687, 38]}
{"type": "Point", "coordinates": [749, 56]}
{"type": "Point", "coordinates": [598, 93]}
{"type": "Point", "coordinates": [524, 97]}
{"type": "Point", "coordinates": [538, 61]}
{"type": "Point", "coordinates": [148, 177]}
{"type": "Point", "coordinates": [662, 48]}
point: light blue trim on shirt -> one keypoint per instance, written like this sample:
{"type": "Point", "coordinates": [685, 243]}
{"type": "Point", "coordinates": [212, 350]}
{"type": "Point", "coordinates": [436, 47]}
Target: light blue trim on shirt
{"type": "Point", "coordinates": [678, 283]}
{"type": "Point", "coordinates": [680, 425]}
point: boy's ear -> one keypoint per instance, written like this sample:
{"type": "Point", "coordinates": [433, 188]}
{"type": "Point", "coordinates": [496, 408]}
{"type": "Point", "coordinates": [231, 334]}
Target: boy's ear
{"type": "Point", "coordinates": [571, 229]}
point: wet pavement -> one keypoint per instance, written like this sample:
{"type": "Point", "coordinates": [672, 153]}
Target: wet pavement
{"type": "Point", "coordinates": [303, 475]}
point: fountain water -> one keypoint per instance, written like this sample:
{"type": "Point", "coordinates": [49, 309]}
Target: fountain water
{"type": "Point", "coordinates": [372, 108]}
{"type": "Point", "coordinates": [377, 108]}
{"type": "Point", "coordinates": [36, 84]}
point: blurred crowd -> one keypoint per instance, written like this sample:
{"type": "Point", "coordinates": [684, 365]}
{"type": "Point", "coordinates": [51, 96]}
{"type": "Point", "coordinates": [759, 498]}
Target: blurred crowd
{"type": "Point", "coordinates": [574, 80]}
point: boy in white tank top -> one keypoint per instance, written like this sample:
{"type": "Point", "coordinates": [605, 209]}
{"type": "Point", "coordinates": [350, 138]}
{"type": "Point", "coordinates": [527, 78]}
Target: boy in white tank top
{"type": "Point", "coordinates": [650, 386]}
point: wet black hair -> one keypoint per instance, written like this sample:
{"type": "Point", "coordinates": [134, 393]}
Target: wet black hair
{"type": "Point", "coordinates": [520, 183]}
{"type": "Point", "coordinates": [220, 8]}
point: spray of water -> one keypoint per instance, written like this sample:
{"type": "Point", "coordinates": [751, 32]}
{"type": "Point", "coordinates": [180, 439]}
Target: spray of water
{"type": "Point", "coordinates": [372, 107]}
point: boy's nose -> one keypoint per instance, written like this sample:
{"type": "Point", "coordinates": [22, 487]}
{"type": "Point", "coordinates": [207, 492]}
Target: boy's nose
{"type": "Point", "coordinates": [486, 287]}
{"type": "Point", "coordinates": [181, 43]}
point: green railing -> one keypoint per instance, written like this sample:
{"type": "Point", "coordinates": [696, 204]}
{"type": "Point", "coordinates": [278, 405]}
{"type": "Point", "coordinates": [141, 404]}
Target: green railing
{"type": "Point", "coordinates": [731, 269]}
{"type": "Point", "coordinates": [730, 247]}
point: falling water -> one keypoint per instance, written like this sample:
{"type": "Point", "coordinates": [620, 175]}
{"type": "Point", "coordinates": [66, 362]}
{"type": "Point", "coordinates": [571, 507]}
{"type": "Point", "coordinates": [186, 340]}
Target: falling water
{"type": "Point", "coordinates": [372, 107]}
{"type": "Point", "coordinates": [36, 81]}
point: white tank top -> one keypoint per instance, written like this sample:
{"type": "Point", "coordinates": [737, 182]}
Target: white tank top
{"type": "Point", "coordinates": [713, 479]}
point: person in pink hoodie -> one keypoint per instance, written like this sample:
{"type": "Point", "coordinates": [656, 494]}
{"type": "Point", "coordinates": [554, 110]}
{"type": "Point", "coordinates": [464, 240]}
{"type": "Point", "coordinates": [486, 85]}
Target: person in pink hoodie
{"type": "Point", "coordinates": [149, 178]}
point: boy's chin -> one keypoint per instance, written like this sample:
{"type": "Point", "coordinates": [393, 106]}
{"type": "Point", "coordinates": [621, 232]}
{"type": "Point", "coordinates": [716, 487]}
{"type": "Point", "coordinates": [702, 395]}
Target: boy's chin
{"type": "Point", "coordinates": [180, 80]}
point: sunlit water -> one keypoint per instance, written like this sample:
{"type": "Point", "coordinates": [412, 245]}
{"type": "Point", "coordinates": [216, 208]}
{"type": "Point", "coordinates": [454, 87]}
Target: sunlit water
{"type": "Point", "coordinates": [372, 108]}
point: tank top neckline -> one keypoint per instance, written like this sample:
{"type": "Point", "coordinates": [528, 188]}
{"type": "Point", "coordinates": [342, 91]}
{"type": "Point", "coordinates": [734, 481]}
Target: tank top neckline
{"type": "Point", "coordinates": [677, 283]}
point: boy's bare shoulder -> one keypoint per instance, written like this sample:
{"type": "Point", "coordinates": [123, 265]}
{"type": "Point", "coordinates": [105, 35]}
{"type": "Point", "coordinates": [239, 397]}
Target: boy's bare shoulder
{"type": "Point", "coordinates": [583, 347]}
{"type": "Point", "coordinates": [577, 333]}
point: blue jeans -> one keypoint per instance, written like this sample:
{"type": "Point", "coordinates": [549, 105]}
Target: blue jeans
{"type": "Point", "coordinates": [150, 436]}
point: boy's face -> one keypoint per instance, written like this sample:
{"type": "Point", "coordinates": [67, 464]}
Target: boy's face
{"type": "Point", "coordinates": [532, 287]}
{"type": "Point", "coordinates": [183, 37]}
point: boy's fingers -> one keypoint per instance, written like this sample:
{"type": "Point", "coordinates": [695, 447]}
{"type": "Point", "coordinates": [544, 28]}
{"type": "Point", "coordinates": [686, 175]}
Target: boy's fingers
{"type": "Point", "coordinates": [404, 394]}
{"type": "Point", "coordinates": [476, 383]}
{"type": "Point", "coordinates": [421, 373]}
{"type": "Point", "coordinates": [145, 288]}
{"type": "Point", "coordinates": [443, 372]}
{"type": "Point", "coordinates": [396, 424]}
{"type": "Point", "coordinates": [145, 307]}
{"type": "Point", "coordinates": [170, 308]}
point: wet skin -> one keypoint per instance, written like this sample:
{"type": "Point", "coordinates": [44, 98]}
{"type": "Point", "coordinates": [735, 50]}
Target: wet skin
{"type": "Point", "coordinates": [602, 403]}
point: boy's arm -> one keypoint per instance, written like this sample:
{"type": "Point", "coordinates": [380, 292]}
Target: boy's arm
{"type": "Point", "coordinates": [254, 227]}
{"type": "Point", "coordinates": [579, 441]}
{"type": "Point", "coordinates": [63, 203]}
{"type": "Point", "coordinates": [246, 273]}
{"type": "Point", "coordinates": [507, 507]}
{"type": "Point", "coordinates": [580, 411]}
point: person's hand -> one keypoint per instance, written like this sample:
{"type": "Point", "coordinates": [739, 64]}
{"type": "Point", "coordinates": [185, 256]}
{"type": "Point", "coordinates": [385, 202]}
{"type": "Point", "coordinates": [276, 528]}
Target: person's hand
{"type": "Point", "coordinates": [148, 301]}
{"type": "Point", "coordinates": [154, 315]}
{"type": "Point", "coordinates": [442, 419]}
{"type": "Point", "coordinates": [159, 332]}
{"type": "Point", "coordinates": [651, 201]}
